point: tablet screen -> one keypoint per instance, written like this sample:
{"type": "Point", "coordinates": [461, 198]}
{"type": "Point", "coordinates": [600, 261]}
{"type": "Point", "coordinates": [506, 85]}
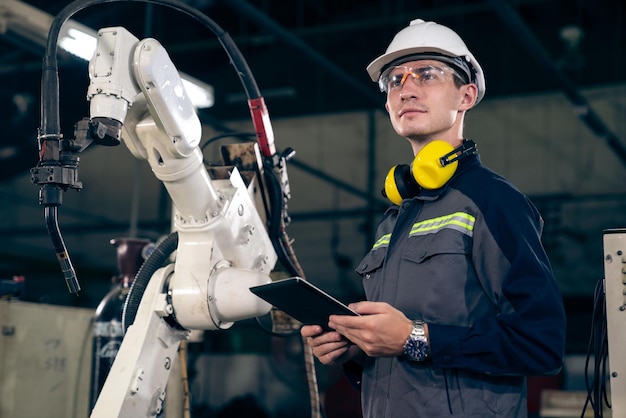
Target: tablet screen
{"type": "Point", "coordinates": [302, 300]}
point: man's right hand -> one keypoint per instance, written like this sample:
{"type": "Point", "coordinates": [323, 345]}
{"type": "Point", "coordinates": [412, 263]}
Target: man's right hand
{"type": "Point", "coordinates": [330, 347]}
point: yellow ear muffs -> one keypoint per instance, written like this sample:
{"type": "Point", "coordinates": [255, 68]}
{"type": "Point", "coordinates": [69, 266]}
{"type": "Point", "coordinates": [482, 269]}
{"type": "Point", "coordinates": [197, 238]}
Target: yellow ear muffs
{"type": "Point", "coordinates": [427, 167]}
{"type": "Point", "coordinates": [400, 184]}
{"type": "Point", "coordinates": [431, 168]}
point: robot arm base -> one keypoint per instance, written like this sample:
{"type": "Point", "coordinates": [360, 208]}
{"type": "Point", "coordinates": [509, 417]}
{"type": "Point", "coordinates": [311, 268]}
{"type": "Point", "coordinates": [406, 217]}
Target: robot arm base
{"type": "Point", "coordinates": [136, 382]}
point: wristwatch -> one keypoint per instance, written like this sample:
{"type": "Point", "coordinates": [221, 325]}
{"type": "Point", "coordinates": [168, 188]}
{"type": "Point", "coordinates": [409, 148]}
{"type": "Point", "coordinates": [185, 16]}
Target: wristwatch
{"type": "Point", "coordinates": [416, 346]}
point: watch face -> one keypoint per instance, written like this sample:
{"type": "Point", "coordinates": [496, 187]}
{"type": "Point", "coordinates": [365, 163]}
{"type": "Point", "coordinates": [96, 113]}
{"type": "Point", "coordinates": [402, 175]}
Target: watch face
{"type": "Point", "coordinates": [416, 349]}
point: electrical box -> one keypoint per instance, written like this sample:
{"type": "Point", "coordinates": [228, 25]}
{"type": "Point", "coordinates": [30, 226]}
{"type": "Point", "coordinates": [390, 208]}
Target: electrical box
{"type": "Point", "coordinates": [614, 242]}
{"type": "Point", "coordinates": [45, 360]}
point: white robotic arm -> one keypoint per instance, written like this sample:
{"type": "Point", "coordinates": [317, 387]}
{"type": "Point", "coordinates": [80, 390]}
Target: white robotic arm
{"type": "Point", "coordinates": [123, 67]}
{"type": "Point", "coordinates": [223, 247]}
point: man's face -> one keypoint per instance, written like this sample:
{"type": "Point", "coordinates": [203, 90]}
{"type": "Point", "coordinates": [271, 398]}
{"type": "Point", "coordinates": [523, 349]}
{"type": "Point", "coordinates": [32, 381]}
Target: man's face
{"type": "Point", "coordinates": [422, 99]}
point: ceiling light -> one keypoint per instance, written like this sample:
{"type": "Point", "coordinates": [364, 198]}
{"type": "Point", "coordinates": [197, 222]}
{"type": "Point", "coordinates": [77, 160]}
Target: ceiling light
{"type": "Point", "coordinates": [78, 43]}
{"type": "Point", "coordinates": [77, 39]}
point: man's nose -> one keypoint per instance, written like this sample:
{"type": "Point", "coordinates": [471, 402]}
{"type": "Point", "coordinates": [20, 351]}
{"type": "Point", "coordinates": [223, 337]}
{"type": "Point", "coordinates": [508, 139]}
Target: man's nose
{"type": "Point", "coordinates": [406, 76]}
{"type": "Point", "coordinates": [408, 90]}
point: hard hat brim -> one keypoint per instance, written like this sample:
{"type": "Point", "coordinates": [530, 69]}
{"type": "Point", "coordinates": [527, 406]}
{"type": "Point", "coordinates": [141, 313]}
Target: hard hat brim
{"type": "Point", "coordinates": [375, 67]}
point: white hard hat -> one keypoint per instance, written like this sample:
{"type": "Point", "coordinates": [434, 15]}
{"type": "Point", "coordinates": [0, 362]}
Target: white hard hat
{"type": "Point", "coordinates": [432, 40]}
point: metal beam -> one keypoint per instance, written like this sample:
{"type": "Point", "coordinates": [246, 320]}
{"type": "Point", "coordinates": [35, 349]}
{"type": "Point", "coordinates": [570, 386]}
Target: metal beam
{"type": "Point", "coordinates": [264, 21]}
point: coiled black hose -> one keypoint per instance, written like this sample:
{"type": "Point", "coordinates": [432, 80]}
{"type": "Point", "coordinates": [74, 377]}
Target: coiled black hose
{"type": "Point", "coordinates": [154, 261]}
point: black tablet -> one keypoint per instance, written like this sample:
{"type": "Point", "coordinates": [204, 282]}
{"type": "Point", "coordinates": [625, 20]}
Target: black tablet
{"type": "Point", "coordinates": [302, 300]}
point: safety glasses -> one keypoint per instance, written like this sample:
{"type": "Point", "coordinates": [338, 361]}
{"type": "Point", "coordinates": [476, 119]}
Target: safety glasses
{"type": "Point", "coordinates": [393, 78]}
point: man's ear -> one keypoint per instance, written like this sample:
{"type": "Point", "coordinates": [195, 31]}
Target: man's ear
{"type": "Point", "coordinates": [387, 106]}
{"type": "Point", "coordinates": [470, 94]}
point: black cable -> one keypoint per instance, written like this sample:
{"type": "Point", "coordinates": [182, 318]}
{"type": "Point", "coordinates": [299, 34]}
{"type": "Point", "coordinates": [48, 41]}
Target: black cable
{"type": "Point", "coordinates": [155, 261]}
{"type": "Point", "coordinates": [597, 393]}
{"type": "Point", "coordinates": [52, 225]}
{"type": "Point", "coordinates": [242, 136]}
{"type": "Point", "coordinates": [50, 84]}
{"type": "Point", "coordinates": [276, 203]}
{"type": "Point", "coordinates": [50, 80]}
{"type": "Point", "coordinates": [276, 222]}
{"type": "Point", "coordinates": [274, 333]}
{"type": "Point", "coordinates": [50, 119]}
{"type": "Point", "coordinates": [50, 129]}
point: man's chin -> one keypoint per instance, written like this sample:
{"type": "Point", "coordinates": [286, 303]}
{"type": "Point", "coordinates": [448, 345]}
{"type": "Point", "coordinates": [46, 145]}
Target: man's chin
{"type": "Point", "coordinates": [414, 135]}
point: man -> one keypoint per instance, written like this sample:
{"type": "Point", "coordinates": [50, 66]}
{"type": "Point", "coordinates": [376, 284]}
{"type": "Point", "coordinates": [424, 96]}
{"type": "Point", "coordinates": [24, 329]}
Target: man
{"type": "Point", "coordinates": [462, 303]}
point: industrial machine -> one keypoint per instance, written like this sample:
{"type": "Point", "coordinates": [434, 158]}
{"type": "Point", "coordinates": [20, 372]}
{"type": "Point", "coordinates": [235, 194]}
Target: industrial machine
{"type": "Point", "coordinates": [228, 232]}
{"type": "Point", "coordinates": [611, 328]}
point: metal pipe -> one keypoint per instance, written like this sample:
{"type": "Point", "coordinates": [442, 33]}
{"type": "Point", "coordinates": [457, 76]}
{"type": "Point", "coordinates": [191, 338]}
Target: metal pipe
{"type": "Point", "coordinates": [372, 180]}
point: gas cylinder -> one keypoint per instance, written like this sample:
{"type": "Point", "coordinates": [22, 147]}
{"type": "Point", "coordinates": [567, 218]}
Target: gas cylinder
{"type": "Point", "coordinates": [107, 325]}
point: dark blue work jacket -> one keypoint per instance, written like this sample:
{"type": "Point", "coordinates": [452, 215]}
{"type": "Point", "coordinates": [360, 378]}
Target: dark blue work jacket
{"type": "Point", "coordinates": [468, 260]}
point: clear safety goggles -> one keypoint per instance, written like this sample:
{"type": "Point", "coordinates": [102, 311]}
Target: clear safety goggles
{"type": "Point", "coordinates": [393, 78]}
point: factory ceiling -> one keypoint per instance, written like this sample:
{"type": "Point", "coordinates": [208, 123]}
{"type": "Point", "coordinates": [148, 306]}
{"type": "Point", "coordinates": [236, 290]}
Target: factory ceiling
{"type": "Point", "coordinates": [309, 56]}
